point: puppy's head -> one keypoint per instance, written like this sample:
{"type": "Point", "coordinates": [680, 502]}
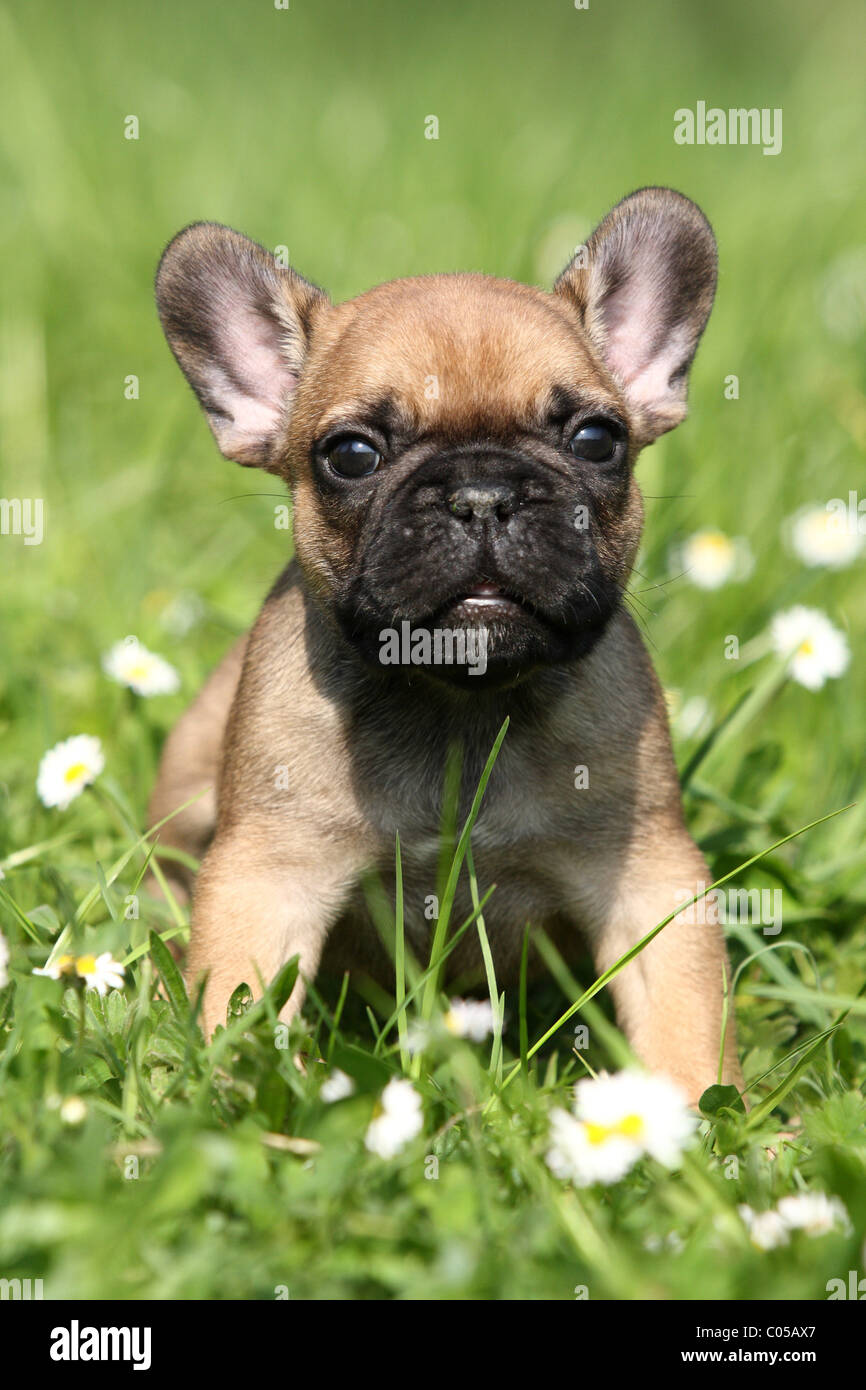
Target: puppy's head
{"type": "Point", "coordinates": [460, 448]}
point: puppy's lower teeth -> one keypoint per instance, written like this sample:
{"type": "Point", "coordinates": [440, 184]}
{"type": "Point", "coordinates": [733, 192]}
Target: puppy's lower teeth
{"type": "Point", "coordinates": [485, 593]}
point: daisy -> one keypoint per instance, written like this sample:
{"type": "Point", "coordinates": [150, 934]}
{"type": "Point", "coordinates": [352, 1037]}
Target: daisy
{"type": "Point", "coordinates": [337, 1087]}
{"type": "Point", "coordinates": [129, 663]}
{"type": "Point", "coordinates": [470, 1018]}
{"type": "Point", "coordinates": [101, 973]}
{"type": "Point", "coordinates": [63, 965]}
{"type": "Point", "coordinates": [73, 1110]}
{"type": "Point", "coordinates": [819, 536]}
{"type": "Point", "coordinates": [617, 1119]}
{"type": "Point", "coordinates": [814, 649]}
{"type": "Point", "coordinates": [396, 1120]}
{"type": "Point", "coordinates": [767, 1230]}
{"type": "Point", "coordinates": [4, 962]}
{"type": "Point", "coordinates": [67, 768]}
{"type": "Point", "coordinates": [650, 1109]}
{"type": "Point", "coordinates": [815, 1213]}
{"type": "Point", "coordinates": [577, 1155]}
{"type": "Point", "coordinates": [710, 558]}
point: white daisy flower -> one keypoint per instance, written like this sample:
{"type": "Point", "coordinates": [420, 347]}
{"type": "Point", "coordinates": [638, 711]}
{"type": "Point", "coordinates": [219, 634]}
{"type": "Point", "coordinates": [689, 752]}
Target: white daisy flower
{"type": "Point", "coordinates": [4, 962]}
{"type": "Point", "coordinates": [129, 663]}
{"type": "Point", "coordinates": [649, 1109]}
{"type": "Point", "coordinates": [815, 1213]}
{"type": "Point", "coordinates": [63, 965]}
{"type": "Point", "coordinates": [815, 650]}
{"type": "Point", "coordinates": [581, 1156]}
{"type": "Point", "coordinates": [73, 1110]}
{"type": "Point", "coordinates": [101, 973]}
{"type": "Point", "coordinates": [819, 536]}
{"type": "Point", "coordinates": [397, 1119]}
{"type": "Point", "coordinates": [470, 1018]}
{"type": "Point", "coordinates": [767, 1230]}
{"type": "Point", "coordinates": [617, 1119]}
{"type": "Point", "coordinates": [710, 558]}
{"type": "Point", "coordinates": [67, 768]}
{"type": "Point", "coordinates": [337, 1087]}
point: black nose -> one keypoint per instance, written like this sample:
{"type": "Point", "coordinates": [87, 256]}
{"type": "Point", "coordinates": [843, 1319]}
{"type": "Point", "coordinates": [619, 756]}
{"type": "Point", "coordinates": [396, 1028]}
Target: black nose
{"type": "Point", "coordinates": [483, 501]}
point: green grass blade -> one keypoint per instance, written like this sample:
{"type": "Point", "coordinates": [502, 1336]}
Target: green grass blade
{"type": "Point", "coordinates": [171, 976]}
{"type": "Point", "coordinates": [441, 932]}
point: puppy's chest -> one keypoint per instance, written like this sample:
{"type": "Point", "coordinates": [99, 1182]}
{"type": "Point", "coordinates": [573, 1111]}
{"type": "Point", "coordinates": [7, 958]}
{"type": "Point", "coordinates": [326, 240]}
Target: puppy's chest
{"type": "Point", "coordinates": [527, 811]}
{"type": "Point", "coordinates": [532, 820]}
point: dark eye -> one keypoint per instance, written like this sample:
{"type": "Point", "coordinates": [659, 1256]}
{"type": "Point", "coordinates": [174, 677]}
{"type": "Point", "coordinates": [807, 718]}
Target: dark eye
{"type": "Point", "coordinates": [595, 442]}
{"type": "Point", "coordinates": [353, 458]}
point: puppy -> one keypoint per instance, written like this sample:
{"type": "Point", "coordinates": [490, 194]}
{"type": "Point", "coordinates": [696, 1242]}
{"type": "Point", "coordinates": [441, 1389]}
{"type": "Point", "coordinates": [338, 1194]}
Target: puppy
{"type": "Point", "coordinates": [460, 452]}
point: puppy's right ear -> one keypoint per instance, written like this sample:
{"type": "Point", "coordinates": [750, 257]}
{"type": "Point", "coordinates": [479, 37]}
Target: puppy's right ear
{"type": "Point", "coordinates": [239, 326]}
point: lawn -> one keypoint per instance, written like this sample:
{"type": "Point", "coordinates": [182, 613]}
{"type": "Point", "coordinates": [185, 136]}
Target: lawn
{"type": "Point", "coordinates": [135, 1161]}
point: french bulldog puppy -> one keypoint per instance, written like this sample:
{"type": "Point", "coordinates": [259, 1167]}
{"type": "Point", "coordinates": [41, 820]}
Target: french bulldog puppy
{"type": "Point", "coordinates": [460, 452]}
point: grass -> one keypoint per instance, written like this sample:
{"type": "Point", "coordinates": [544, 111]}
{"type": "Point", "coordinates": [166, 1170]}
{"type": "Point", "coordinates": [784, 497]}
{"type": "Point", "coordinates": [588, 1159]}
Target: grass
{"type": "Point", "coordinates": [219, 1172]}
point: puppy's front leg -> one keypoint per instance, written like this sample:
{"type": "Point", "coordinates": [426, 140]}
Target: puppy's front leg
{"type": "Point", "coordinates": [254, 909]}
{"type": "Point", "coordinates": [669, 999]}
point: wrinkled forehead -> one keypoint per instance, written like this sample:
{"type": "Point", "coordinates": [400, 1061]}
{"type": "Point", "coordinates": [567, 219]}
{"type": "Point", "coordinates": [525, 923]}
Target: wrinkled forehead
{"type": "Point", "coordinates": [449, 350]}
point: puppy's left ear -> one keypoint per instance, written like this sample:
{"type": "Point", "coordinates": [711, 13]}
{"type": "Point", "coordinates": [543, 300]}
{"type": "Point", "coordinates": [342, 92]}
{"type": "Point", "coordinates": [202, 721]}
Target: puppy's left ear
{"type": "Point", "coordinates": [644, 286]}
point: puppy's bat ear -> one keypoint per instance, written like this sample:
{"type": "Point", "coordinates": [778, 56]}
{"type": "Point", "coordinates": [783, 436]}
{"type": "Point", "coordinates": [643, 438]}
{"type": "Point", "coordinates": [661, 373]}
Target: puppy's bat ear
{"type": "Point", "coordinates": [644, 286]}
{"type": "Point", "coordinates": [238, 325]}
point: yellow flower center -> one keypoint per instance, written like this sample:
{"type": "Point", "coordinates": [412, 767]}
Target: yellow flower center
{"type": "Point", "coordinates": [74, 771]}
{"type": "Point", "coordinates": [629, 1127]}
{"type": "Point", "coordinates": [138, 672]}
{"type": "Point", "coordinates": [806, 648]}
{"type": "Point", "coordinates": [85, 965]}
{"type": "Point", "coordinates": [714, 543]}
{"type": "Point", "coordinates": [65, 964]}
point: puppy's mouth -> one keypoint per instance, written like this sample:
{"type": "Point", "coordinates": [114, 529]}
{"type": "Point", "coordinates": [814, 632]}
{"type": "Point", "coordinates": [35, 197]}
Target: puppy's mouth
{"type": "Point", "coordinates": [485, 602]}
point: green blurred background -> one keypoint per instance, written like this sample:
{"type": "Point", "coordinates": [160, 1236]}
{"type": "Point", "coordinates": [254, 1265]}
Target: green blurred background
{"type": "Point", "coordinates": [305, 128]}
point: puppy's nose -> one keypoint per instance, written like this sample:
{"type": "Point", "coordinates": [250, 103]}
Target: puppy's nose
{"type": "Point", "coordinates": [483, 501]}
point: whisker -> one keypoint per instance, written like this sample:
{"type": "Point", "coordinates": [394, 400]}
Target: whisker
{"type": "Point", "coordinates": [283, 496]}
